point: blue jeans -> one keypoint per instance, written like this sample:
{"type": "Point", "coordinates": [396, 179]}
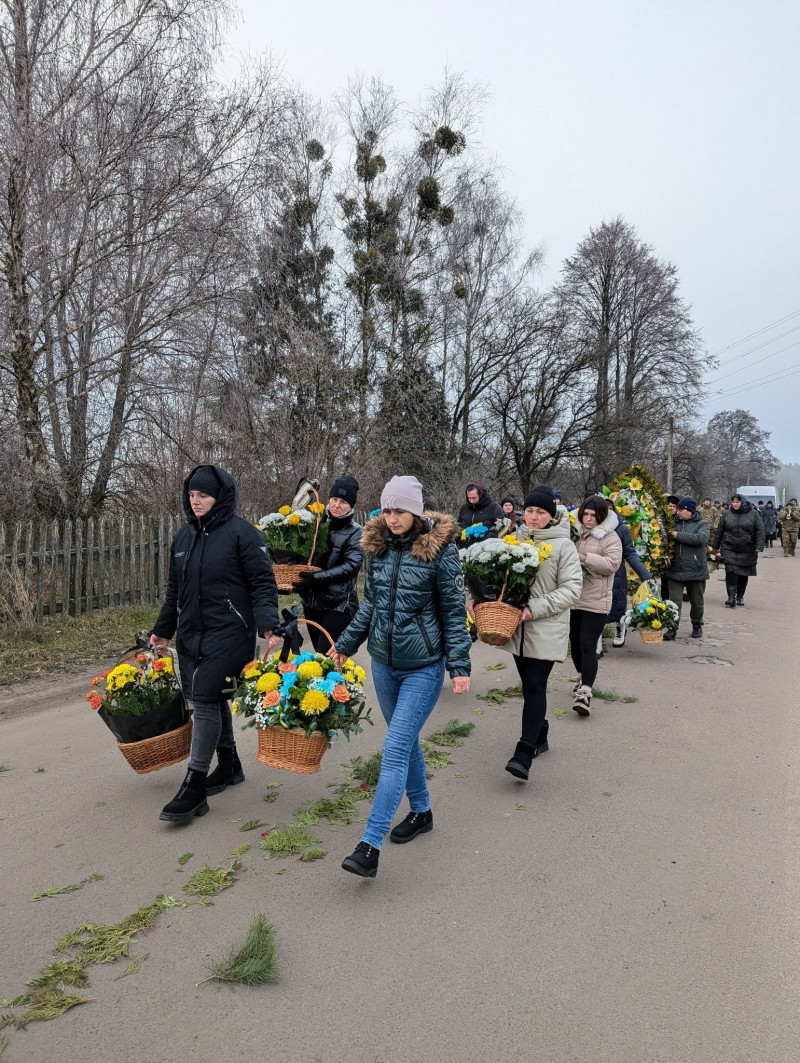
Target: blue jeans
{"type": "Point", "coordinates": [406, 699]}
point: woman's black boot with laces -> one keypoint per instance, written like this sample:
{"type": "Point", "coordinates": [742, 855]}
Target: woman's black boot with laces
{"type": "Point", "coordinates": [363, 861]}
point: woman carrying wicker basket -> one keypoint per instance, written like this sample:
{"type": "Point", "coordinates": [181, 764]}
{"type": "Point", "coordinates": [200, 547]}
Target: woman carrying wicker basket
{"type": "Point", "coordinates": [221, 594]}
{"type": "Point", "coordinates": [329, 596]}
{"type": "Point", "coordinates": [414, 618]}
{"type": "Point", "coordinates": [543, 636]}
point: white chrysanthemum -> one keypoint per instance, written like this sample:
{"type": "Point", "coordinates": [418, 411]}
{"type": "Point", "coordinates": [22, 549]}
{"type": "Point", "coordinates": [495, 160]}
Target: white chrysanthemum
{"type": "Point", "coordinates": [270, 518]}
{"type": "Point", "coordinates": [519, 566]}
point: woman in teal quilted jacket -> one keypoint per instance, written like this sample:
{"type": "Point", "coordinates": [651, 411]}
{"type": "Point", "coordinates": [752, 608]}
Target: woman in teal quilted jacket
{"type": "Point", "coordinates": [414, 620]}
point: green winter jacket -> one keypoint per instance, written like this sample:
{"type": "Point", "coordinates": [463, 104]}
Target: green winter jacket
{"type": "Point", "coordinates": [413, 612]}
{"type": "Point", "coordinates": [689, 562]}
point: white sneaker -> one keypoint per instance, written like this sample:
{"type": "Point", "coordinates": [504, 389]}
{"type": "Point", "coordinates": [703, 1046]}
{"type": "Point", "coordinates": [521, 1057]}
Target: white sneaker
{"type": "Point", "coordinates": [621, 634]}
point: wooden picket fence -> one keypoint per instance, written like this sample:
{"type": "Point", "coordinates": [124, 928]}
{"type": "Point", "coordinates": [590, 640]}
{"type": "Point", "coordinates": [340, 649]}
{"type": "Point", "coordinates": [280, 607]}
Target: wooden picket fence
{"type": "Point", "coordinates": [74, 567]}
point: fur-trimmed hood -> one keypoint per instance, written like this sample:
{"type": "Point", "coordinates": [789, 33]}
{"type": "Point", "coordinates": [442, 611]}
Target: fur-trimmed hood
{"type": "Point", "coordinates": [443, 530]}
{"type": "Point", "coordinates": [602, 530]}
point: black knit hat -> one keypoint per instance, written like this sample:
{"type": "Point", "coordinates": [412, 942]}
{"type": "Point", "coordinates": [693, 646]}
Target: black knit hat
{"type": "Point", "coordinates": [542, 498]}
{"type": "Point", "coordinates": [345, 487]}
{"type": "Point", "coordinates": [687, 503]}
{"type": "Point", "coordinates": [205, 480]}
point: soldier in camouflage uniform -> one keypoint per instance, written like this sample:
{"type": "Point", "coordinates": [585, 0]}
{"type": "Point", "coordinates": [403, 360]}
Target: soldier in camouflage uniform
{"type": "Point", "coordinates": [789, 517]}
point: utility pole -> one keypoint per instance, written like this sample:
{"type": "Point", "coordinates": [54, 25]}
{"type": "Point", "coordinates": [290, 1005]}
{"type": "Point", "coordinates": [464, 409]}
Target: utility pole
{"type": "Point", "coordinates": [670, 435]}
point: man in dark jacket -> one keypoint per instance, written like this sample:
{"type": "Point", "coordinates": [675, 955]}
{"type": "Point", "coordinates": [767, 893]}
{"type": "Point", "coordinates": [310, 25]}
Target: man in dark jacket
{"type": "Point", "coordinates": [221, 594]}
{"type": "Point", "coordinates": [688, 569]}
{"type": "Point", "coordinates": [479, 508]}
{"type": "Point", "coordinates": [329, 597]}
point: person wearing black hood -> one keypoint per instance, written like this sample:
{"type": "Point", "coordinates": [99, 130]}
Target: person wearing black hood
{"type": "Point", "coordinates": [329, 597]}
{"type": "Point", "coordinates": [221, 594]}
{"type": "Point", "coordinates": [509, 507]}
{"type": "Point", "coordinates": [479, 508]}
{"type": "Point", "coordinates": [740, 537]}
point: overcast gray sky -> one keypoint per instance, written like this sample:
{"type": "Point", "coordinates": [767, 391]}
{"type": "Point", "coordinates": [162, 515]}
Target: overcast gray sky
{"type": "Point", "coordinates": [681, 116]}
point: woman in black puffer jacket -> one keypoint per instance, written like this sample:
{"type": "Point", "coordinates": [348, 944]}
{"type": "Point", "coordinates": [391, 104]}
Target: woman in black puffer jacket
{"type": "Point", "coordinates": [740, 536]}
{"type": "Point", "coordinates": [329, 597]}
{"type": "Point", "coordinates": [221, 594]}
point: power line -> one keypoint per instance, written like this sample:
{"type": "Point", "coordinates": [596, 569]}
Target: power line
{"type": "Point", "coordinates": [773, 354]}
{"type": "Point", "coordinates": [758, 332]}
{"type": "Point", "coordinates": [770, 378]}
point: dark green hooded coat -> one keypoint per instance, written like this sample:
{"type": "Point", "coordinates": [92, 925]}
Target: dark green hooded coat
{"type": "Point", "coordinates": [413, 612]}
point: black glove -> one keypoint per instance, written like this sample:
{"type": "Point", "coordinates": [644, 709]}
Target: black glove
{"type": "Point", "coordinates": [304, 584]}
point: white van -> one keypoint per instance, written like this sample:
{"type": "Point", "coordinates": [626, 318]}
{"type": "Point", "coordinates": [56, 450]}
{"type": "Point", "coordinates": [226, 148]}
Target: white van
{"type": "Point", "coordinates": [756, 494]}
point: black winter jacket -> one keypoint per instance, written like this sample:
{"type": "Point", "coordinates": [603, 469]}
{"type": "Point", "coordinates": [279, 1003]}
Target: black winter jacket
{"type": "Point", "coordinates": [221, 593]}
{"type": "Point", "coordinates": [740, 535]}
{"type": "Point", "coordinates": [485, 511]}
{"type": "Point", "coordinates": [413, 612]}
{"type": "Point", "coordinates": [689, 562]}
{"type": "Point", "coordinates": [334, 589]}
{"type": "Point", "coordinates": [619, 593]}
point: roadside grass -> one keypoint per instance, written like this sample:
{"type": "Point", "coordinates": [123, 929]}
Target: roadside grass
{"type": "Point", "coordinates": [612, 695]}
{"type": "Point", "coordinates": [69, 643]}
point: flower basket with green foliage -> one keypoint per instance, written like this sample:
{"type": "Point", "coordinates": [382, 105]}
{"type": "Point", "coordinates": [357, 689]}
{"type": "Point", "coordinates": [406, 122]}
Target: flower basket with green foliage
{"type": "Point", "coordinates": [140, 698]}
{"type": "Point", "coordinates": [502, 570]}
{"type": "Point", "coordinates": [296, 535]}
{"type": "Point", "coordinates": [306, 691]}
{"type": "Point", "coordinates": [653, 614]}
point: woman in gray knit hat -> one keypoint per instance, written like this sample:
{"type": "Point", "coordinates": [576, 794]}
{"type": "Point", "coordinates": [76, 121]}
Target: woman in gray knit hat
{"type": "Point", "coordinates": [414, 620]}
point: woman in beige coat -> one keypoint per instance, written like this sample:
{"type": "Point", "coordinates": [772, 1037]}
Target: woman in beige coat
{"type": "Point", "coordinates": [542, 637]}
{"type": "Point", "coordinates": [600, 550]}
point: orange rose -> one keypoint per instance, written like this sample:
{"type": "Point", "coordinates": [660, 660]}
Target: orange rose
{"type": "Point", "coordinates": [252, 664]}
{"type": "Point", "coordinates": [159, 665]}
{"type": "Point", "coordinates": [286, 666]}
{"type": "Point", "coordinates": [271, 699]}
{"type": "Point", "coordinates": [341, 693]}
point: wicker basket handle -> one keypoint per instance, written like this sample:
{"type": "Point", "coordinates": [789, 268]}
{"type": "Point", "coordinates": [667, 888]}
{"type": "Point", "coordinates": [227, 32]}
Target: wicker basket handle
{"type": "Point", "coordinates": [505, 581]}
{"type": "Point", "coordinates": [308, 623]}
{"type": "Point", "coordinates": [316, 533]}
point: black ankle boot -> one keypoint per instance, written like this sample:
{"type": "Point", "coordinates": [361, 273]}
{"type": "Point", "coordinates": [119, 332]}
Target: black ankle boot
{"type": "Point", "coordinates": [731, 601]}
{"type": "Point", "coordinates": [363, 861]}
{"type": "Point", "coordinates": [541, 741]}
{"type": "Point", "coordinates": [190, 800]}
{"type": "Point", "coordinates": [739, 599]}
{"type": "Point", "coordinates": [415, 823]}
{"type": "Point", "coordinates": [228, 771]}
{"type": "Point", "coordinates": [520, 763]}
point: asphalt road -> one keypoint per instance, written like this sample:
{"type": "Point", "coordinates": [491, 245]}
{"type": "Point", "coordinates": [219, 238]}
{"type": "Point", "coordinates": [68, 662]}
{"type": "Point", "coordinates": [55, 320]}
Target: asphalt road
{"type": "Point", "coordinates": [636, 902]}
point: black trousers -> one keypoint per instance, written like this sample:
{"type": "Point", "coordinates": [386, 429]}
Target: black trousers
{"type": "Point", "coordinates": [585, 629]}
{"type": "Point", "coordinates": [736, 585]}
{"type": "Point", "coordinates": [333, 622]}
{"type": "Point", "coordinates": [534, 675]}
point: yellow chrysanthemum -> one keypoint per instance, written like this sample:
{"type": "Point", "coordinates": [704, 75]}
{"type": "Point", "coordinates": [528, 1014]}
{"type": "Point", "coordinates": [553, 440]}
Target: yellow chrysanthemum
{"type": "Point", "coordinates": [309, 670]}
{"type": "Point", "coordinates": [252, 671]}
{"type": "Point", "coordinates": [360, 674]}
{"type": "Point", "coordinates": [650, 609]}
{"type": "Point", "coordinates": [314, 701]}
{"type": "Point", "coordinates": [512, 540]}
{"type": "Point", "coordinates": [120, 676]}
{"type": "Point", "coordinates": [656, 625]}
{"type": "Point", "coordinates": [293, 519]}
{"type": "Point", "coordinates": [636, 484]}
{"type": "Point", "coordinates": [317, 507]}
{"type": "Point", "coordinates": [268, 681]}
{"type": "Point", "coordinates": [544, 550]}
{"type": "Point", "coordinates": [234, 707]}
{"type": "Point", "coordinates": [349, 677]}
{"type": "Point", "coordinates": [285, 511]}
{"type": "Point", "coordinates": [350, 664]}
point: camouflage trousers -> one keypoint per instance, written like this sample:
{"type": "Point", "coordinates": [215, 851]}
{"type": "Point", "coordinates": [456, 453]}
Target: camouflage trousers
{"type": "Point", "coordinates": [789, 541]}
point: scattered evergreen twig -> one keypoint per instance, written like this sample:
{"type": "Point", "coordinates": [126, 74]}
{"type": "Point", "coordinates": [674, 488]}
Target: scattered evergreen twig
{"type": "Point", "coordinates": [612, 695]}
{"type": "Point", "coordinates": [313, 854]}
{"type": "Point", "coordinates": [185, 858]}
{"type": "Point", "coordinates": [340, 810]}
{"type": "Point", "coordinates": [434, 758]}
{"type": "Point", "coordinates": [452, 733]}
{"type": "Point", "coordinates": [240, 850]}
{"type": "Point", "coordinates": [366, 769]}
{"type": "Point", "coordinates": [288, 841]}
{"type": "Point", "coordinates": [253, 962]}
{"type": "Point", "coordinates": [497, 667]}
{"type": "Point", "coordinates": [5, 767]}
{"type": "Point", "coordinates": [272, 792]}
{"type": "Point", "coordinates": [210, 881]}
{"type": "Point", "coordinates": [55, 891]}
{"type": "Point", "coordinates": [252, 824]}
{"type": "Point", "coordinates": [45, 998]}
{"type": "Point", "coordinates": [103, 944]}
{"type": "Point", "coordinates": [134, 967]}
